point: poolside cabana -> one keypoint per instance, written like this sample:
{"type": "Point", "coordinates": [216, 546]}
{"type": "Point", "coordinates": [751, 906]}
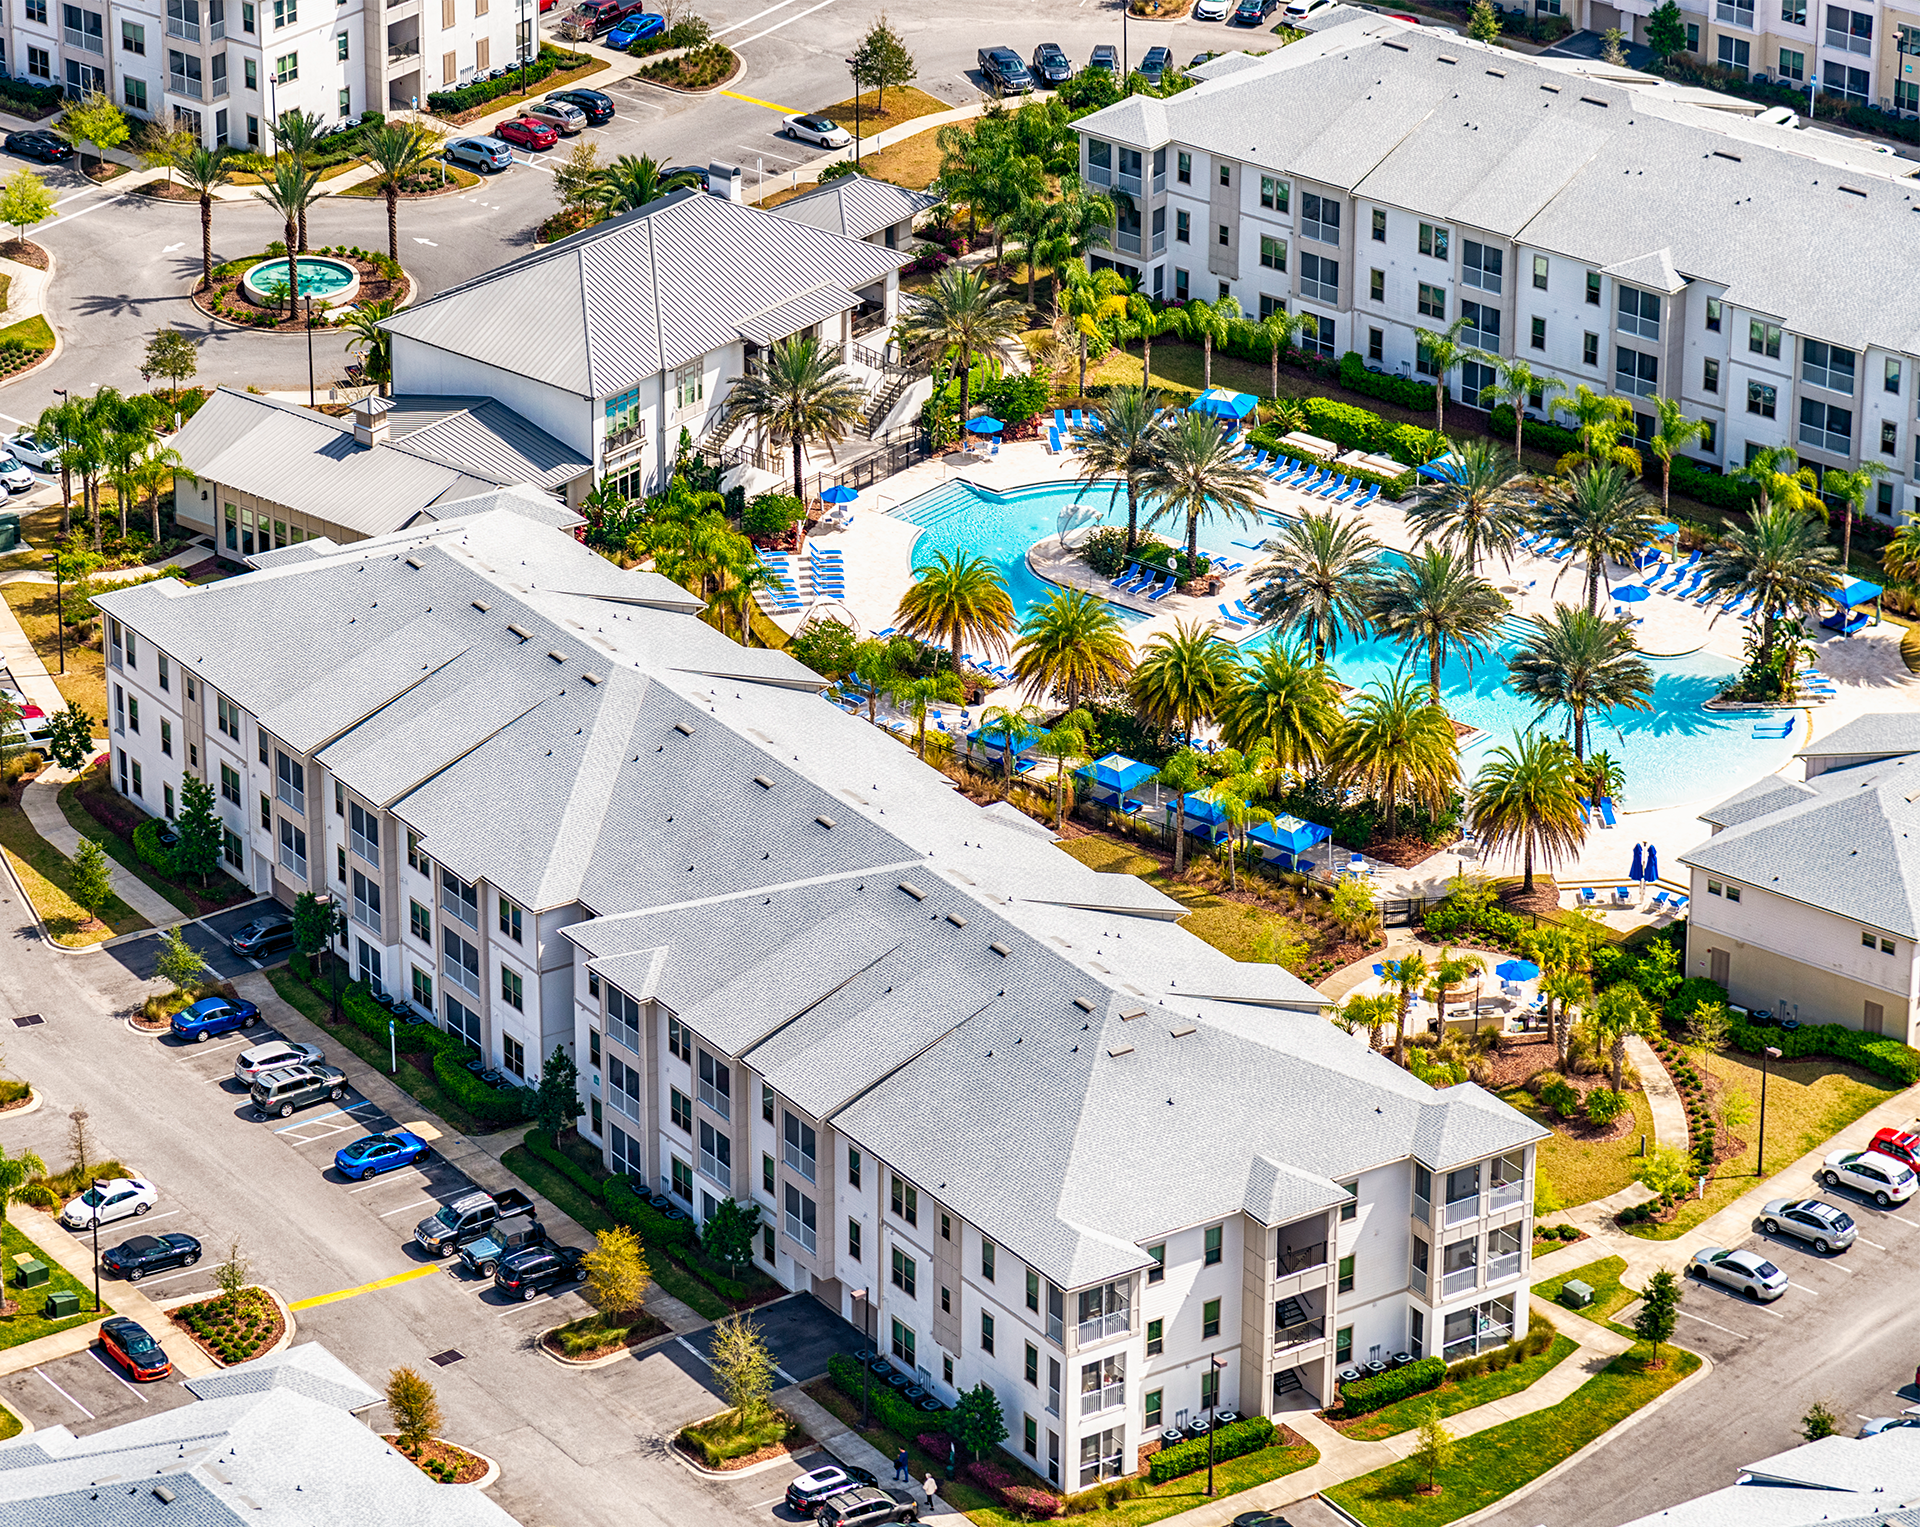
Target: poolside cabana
{"type": "Point", "coordinates": [1849, 597]}
{"type": "Point", "coordinates": [1205, 819]}
{"type": "Point", "coordinates": [1108, 779]}
{"type": "Point", "coordinates": [1285, 838]}
{"type": "Point", "coordinates": [1649, 554]}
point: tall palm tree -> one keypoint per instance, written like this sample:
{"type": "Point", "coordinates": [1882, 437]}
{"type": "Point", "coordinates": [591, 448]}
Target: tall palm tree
{"type": "Point", "coordinates": [290, 191]}
{"type": "Point", "coordinates": [1529, 798]}
{"type": "Point", "coordinates": [1233, 798]}
{"type": "Point", "coordinates": [366, 323]}
{"type": "Point", "coordinates": [1316, 576]}
{"type": "Point", "coordinates": [1017, 727]}
{"type": "Point", "coordinates": [635, 181]}
{"type": "Point", "coordinates": [151, 476]}
{"type": "Point", "coordinates": [1438, 600]}
{"type": "Point", "coordinates": [1123, 446]}
{"type": "Point", "coordinates": [1280, 329]}
{"type": "Point", "coordinates": [1783, 564]}
{"type": "Point", "coordinates": [1180, 776]}
{"type": "Point", "coordinates": [1776, 477]}
{"type": "Point", "coordinates": [1619, 1012]}
{"type": "Point", "coordinates": [1514, 382]}
{"type": "Point", "coordinates": [1408, 974]}
{"type": "Point", "coordinates": [1072, 736]}
{"type": "Point", "coordinates": [1372, 1013]}
{"type": "Point", "coordinates": [739, 574]}
{"type": "Point", "coordinates": [1600, 419]}
{"type": "Point", "coordinates": [61, 422]}
{"type": "Point", "coordinates": [914, 697]}
{"type": "Point", "coordinates": [1443, 349]}
{"type": "Point", "coordinates": [1672, 431]}
{"type": "Point", "coordinates": [799, 392]}
{"type": "Point", "coordinates": [1283, 696]}
{"type": "Point", "coordinates": [203, 171]}
{"type": "Point", "coordinates": [1146, 323]}
{"type": "Point", "coordinates": [1851, 488]}
{"type": "Point", "coordinates": [1478, 511]}
{"type": "Point", "coordinates": [15, 1173]}
{"type": "Point", "coordinates": [1092, 303]}
{"type": "Point", "coordinates": [960, 316]}
{"type": "Point", "coordinates": [1197, 473]}
{"type": "Point", "coordinates": [1208, 324]}
{"type": "Point", "coordinates": [1577, 660]}
{"type": "Point", "coordinates": [296, 134]}
{"type": "Point", "coordinates": [395, 151]}
{"type": "Point", "coordinates": [1400, 745]}
{"type": "Point", "coordinates": [1601, 512]}
{"type": "Point", "coordinates": [957, 600]}
{"type": "Point", "coordinates": [1073, 646]}
{"type": "Point", "coordinates": [1450, 974]}
{"type": "Point", "coordinates": [1073, 217]}
{"type": "Point", "coordinates": [1182, 677]}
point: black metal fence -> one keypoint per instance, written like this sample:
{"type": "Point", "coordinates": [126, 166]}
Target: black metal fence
{"type": "Point", "coordinates": [883, 456]}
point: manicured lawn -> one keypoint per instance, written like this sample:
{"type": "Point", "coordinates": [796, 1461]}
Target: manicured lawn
{"type": "Point", "coordinates": [33, 332]}
{"type": "Point", "coordinates": [1610, 1295]}
{"type": "Point", "coordinates": [1580, 1170]}
{"type": "Point", "coordinates": [221, 890]}
{"type": "Point", "coordinates": [903, 104]}
{"type": "Point", "coordinates": [46, 874]}
{"type": "Point", "coordinates": [912, 162]}
{"type": "Point", "coordinates": [1454, 1398]}
{"type": "Point", "coordinates": [1496, 1462]}
{"type": "Point", "coordinates": [30, 1324]}
{"type": "Point", "coordinates": [85, 682]}
{"type": "Point", "coordinates": [1808, 1101]}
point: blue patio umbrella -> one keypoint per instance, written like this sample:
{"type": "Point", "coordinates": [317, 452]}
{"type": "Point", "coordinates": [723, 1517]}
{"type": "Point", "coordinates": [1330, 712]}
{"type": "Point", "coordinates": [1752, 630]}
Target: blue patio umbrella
{"type": "Point", "coordinates": [985, 425]}
{"type": "Point", "coordinates": [1631, 593]}
{"type": "Point", "coordinates": [1637, 871]}
{"type": "Point", "coordinates": [1516, 970]}
{"type": "Point", "coordinates": [1653, 864]}
{"type": "Point", "coordinates": [1223, 404]}
{"type": "Point", "coordinates": [840, 493]}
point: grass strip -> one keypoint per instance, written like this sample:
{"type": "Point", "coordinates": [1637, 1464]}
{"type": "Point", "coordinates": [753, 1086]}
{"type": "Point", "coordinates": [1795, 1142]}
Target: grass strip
{"type": "Point", "coordinates": [1494, 1463]}
{"type": "Point", "coordinates": [30, 1323]}
{"type": "Point", "coordinates": [46, 875]}
{"type": "Point", "coordinates": [1406, 1414]}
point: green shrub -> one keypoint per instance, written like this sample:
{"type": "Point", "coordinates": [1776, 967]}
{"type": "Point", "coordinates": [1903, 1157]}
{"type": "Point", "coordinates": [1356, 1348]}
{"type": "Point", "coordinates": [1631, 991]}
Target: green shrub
{"type": "Point", "coordinates": [1233, 1441]}
{"type": "Point", "coordinates": [147, 844]}
{"type": "Point", "coordinates": [449, 102]}
{"type": "Point", "coordinates": [1365, 1395]}
{"type": "Point", "coordinates": [1711, 488]}
{"type": "Point", "coordinates": [1604, 1105]}
{"type": "Point", "coordinates": [772, 514]}
{"type": "Point", "coordinates": [1106, 548]}
{"type": "Point", "coordinates": [896, 1414]}
{"type": "Point", "coordinates": [539, 1145]}
{"type": "Point", "coordinates": [1558, 1094]}
{"type": "Point", "coordinates": [676, 1236]}
{"type": "Point", "coordinates": [1400, 390]}
{"type": "Point", "coordinates": [1549, 438]}
{"type": "Point", "coordinates": [1884, 1057]}
{"type": "Point", "coordinates": [1356, 429]}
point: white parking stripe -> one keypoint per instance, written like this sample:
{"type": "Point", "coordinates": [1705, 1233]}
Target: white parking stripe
{"type": "Point", "coordinates": [416, 1204]}
{"type": "Point", "coordinates": [117, 1374]}
{"type": "Point", "coordinates": [1874, 1244]}
{"type": "Point", "coordinates": [788, 21]}
{"type": "Point", "coordinates": [184, 1273]}
{"type": "Point", "coordinates": [68, 1398]}
{"type": "Point", "coordinates": [1915, 1224]}
{"type": "Point", "coordinates": [381, 1182]}
{"type": "Point", "coordinates": [721, 33]}
{"type": "Point", "coordinates": [330, 1114]}
{"type": "Point", "coordinates": [1715, 1324]}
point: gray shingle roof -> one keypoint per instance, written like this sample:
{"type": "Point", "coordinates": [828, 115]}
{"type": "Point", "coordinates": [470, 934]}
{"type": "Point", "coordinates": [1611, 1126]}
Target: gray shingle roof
{"type": "Point", "coordinates": [1886, 733]}
{"type": "Point", "coordinates": [307, 1368]}
{"type": "Point", "coordinates": [856, 206]}
{"type": "Point", "coordinates": [1760, 798]}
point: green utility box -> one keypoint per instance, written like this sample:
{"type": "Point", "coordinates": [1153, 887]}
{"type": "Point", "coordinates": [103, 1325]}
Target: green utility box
{"type": "Point", "coordinates": [62, 1302]}
{"type": "Point", "coordinates": [1575, 1295]}
{"type": "Point", "coordinates": [28, 1272]}
{"type": "Point", "coordinates": [9, 532]}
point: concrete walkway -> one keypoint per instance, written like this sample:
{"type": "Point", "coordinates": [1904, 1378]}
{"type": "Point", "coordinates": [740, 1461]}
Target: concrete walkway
{"type": "Point", "coordinates": [1663, 1098]}
{"type": "Point", "coordinates": [849, 1446]}
{"type": "Point", "coordinates": [41, 802]}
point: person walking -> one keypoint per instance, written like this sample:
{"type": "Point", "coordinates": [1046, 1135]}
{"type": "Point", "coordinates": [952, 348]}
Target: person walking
{"type": "Point", "coordinates": [929, 1488]}
{"type": "Point", "coordinates": [900, 1471]}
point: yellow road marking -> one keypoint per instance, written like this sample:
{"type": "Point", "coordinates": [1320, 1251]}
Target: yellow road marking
{"type": "Point", "coordinates": [365, 1288]}
{"type": "Point", "coordinates": [754, 100]}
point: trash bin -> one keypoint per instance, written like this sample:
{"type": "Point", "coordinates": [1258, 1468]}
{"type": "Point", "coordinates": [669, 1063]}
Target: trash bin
{"type": "Point", "coordinates": [28, 1272]}
{"type": "Point", "coordinates": [62, 1302]}
{"type": "Point", "coordinates": [9, 532]}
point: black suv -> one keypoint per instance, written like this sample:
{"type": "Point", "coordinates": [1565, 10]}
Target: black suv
{"type": "Point", "coordinates": [265, 938]}
{"type": "Point", "coordinates": [290, 1087]}
{"type": "Point", "coordinates": [1156, 63]}
{"type": "Point", "coordinates": [870, 1503]}
{"type": "Point", "coordinates": [1004, 71]}
{"type": "Point", "coordinates": [596, 104]}
{"type": "Point", "coordinates": [1051, 66]}
{"type": "Point", "coordinates": [133, 1259]}
{"type": "Point", "coordinates": [526, 1273]}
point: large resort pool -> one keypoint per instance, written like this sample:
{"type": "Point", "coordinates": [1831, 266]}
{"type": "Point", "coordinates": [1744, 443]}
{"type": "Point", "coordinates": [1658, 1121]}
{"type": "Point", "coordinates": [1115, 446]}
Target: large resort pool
{"type": "Point", "coordinates": [1675, 754]}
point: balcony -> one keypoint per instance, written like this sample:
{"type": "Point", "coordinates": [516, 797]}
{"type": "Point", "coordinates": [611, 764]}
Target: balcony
{"type": "Point", "coordinates": [1101, 1327]}
{"type": "Point", "coordinates": [1831, 441]}
{"type": "Point", "coordinates": [797, 1159]}
{"type": "Point", "coordinates": [1422, 1209]}
{"type": "Point", "coordinates": [87, 42]}
{"type": "Point", "coordinates": [1125, 242]}
{"type": "Point", "coordinates": [1733, 15]}
{"type": "Point", "coordinates": [1298, 1335]}
{"type": "Point", "coordinates": [722, 1173]}
{"type": "Point", "coordinates": [1295, 1259]}
{"type": "Point", "coordinates": [1458, 1282]}
{"type": "Point", "coordinates": [720, 1102]}
{"type": "Point", "coordinates": [1159, 182]}
{"type": "Point", "coordinates": [187, 29]}
{"type": "Point", "coordinates": [1506, 1194]}
{"type": "Point", "coordinates": [1127, 184]}
{"type": "Point", "coordinates": [1160, 242]}
{"type": "Point", "coordinates": [1460, 1210]}
{"type": "Point", "coordinates": [1846, 42]}
{"type": "Point", "coordinates": [868, 318]}
{"type": "Point", "coordinates": [1107, 1397]}
{"type": "Point", "coordinates": [798, 1230]}
{"type": "Point", "coordinates": [1099, 175]}
{"type": "Point", "coordinates": [399, 53]}
{"type": "Point", "coordinates": [1502, 1267]}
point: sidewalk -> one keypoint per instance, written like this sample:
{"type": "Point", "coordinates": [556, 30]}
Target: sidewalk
{"type": "Point", "coordinates": [41, 802]}
{"type": "Point", "coordinates": [1669, 1113]}
{"type": "Point", "coordinates": [848, 1445]}
{"type": "Point", "coordinates": [808, 172]}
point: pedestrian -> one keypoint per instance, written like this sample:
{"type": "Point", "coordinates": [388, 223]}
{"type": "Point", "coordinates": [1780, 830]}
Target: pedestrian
{"type": "Point", "coordinates": [929, 1487]}
{"type": "Point", "coordinates": [900, 1471]}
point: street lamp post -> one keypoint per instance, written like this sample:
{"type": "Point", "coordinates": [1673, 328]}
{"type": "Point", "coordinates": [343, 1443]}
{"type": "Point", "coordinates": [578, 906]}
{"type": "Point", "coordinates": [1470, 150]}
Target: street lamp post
{"type": "Point", "coordinates": [59, 609]}
{"type": "Point", "coordinates": [1760, 1155]}
{"type": "Point", "coordinates": [310, 397]}
{"type": "Point", "coordinates": [1213, 1402]}
{"type": "Point", "coordinates": [866, 1363]}
{"type": "Point", "coordinates": [853, 64]}
{"type": "Point", "coordinates": [99, 1197]}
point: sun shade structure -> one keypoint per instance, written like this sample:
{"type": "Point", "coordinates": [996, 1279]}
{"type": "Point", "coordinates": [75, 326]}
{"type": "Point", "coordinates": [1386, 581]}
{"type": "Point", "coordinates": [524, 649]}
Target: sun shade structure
{"type": "Point", "coordinates": [1632, 593]}
{"type": "Point", "coordinates": [1289, 834]}
{"type": "Point", "coordinates": [985, 425]}
{"type": "Point", "coordinates": [1117, 773]}
{"type": "Point", "coordinates": [1442, 468]}
{"type": "Point", "coordinates": [1222, 404]}
{"type": "Point", "coordinates": [840, 493]}
{"type": "Point", "coordinates": [1849, 617]}
{"type": "Point", "coordinates": [1516, 970]}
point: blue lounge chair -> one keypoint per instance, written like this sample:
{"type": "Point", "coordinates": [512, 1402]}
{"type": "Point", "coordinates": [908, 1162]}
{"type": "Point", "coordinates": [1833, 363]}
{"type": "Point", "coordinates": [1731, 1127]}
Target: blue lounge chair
{"type": "Point", "coordinates": [1659, 898]}
{"type": "Point", "coordinates": [1680, 573]}
{"type": "Point", "coordinates": [1053, 439]}
{"type": "Point", "coordinates": [1252, 615]}
{"type": "Point", "coordinates": [1621, 896]}
{"type": "Point", "coordinates": [1079, 419]}
{"type": "Point", "coordinates": [1125, 576]}
{"type": "Point", "coordinates": [1250, 545]}
{"type": "Point", "coordinates": [1678, 904]}
{"type": "Point", "coordinates": [1586, 895]}
{"type": "Point", "coordinates": [1161, 593]}
{"type": "Point", "coordinates": [1373, 492]}
{"type": "Point", "coordinates": [1230, 618]}
{"type": "Point", "coordinates": [1525, 540]}
{"type": "Point", "coordinates": [1060, 420]}
{"type": "Point", "coordinates": [1606, 812]}
{"type": "Point", "coordinates": [1380, 971]}
{"type": "Point", "coordinates": [1586, 808]}
{"type": "Point", "coordinates": [1152, 581]}
{"type": "Point", "coordinates": [1689, 591]}
{"type": "Point", "coordinates": [1339, 481]}
{"type": "Point", "coordinates": [1258, 462]}
{"type": "Point", "coordinates": [1707, 598]}
{"type": "Point", "coordinates": [1313, 480]}
{"type": "Point", "coordinates": [1352, 487]}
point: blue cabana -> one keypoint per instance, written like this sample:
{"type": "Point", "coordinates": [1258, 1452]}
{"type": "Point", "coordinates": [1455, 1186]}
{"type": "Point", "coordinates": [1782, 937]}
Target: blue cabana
{"type": "Point", "coordinates": [1204, 818]}
{"type": "Point", "coordinates": [996, 743]}
{"type": "Point", "coordinates": [1442, 468]}
{"type": "Point", "coordinates": [1223, 404]}
{"type": "Point", "coordinates": [1289, 834]}
{"type": "Point", "coordinates": [1117, 773]}
{"type": "Point", "coordinates": [1849, 617]}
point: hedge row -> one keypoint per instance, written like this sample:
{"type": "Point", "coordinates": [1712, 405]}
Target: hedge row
{"type": "Point", "coordinates": [1234, 1441]}
{"type": "Point", "coordinates": [1871, 1052]}
{"type": "Point", "coordinates": [1549, 438]}
{"type": "Point", "coordinates": [478, 92]}
{"type": "Point", "coordinates": [147, 844]}
{"type": "Point", "coordinates": [1414, 396]}
{"type": "Point", "coordinates": [897, 1415]}
{"type": "Point", "coordinates": [1393, 487]}
{"type": "Point", "coordinates": [1363, 430]}
{"type": "Point", "coordinates": [1364, 1396]}
{"type": "Point", "coordinates": [1711, 488]}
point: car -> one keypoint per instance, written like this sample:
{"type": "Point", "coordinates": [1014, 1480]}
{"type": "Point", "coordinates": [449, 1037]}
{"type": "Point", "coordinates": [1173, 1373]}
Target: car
{"type": "Point", "coordinates": [525, 1274]}
{"type": "Point", "coordinates": [1003, 71]}
{"type": "Point", "coordinates": [139, 1255]}
{"type": "Point", "coordinates": [1899, 1144]}
{"type": "Point", "coordinates": [869, 1503]}
{"type": "Point", "coordinates": [14, 477]}
{"type": "Point", "coordinates": [469, 1217]}
{"type": "Point", "coordinates": [1250, 13]}
{"type": "Point", "coordinates": [597, 16]}
{"type": "Point", "coordinates": [697, 173]}
{"type": "Point", "coordinates": [806, 1494]}
{"type": "Point", "coordinates": [558, 115]}
{"type": "Point", "coordinates": [1211, 10]}
{"type": "Point", "coordinates": [252, 1064]}
{"type": "Point", "coordinates": [264, 939]}
{"type": "Point", "coordinates": [120, 1198]}
{"type": "Point", "coordinates": [597, 104]}
{"type": "Point", "coordinates": [484, 154]}
{"type": "Point", "coordinates": [128, 1342]}
{"type": "Point", "coordinates": [1827, 1228]}
{"type": "Point", "coordinates": [1261, 1519]}
{"type": "Point", "coordinates": [821, 130]}
{"type": "Point", "coordinates": [43, 146]}
{"type": "Point", "coordinates": [1200, 58]}
{"type": "Point", "coordinates": [280, 1092]}
{"type": "Point", "coordinates": [504, 1240]}
{"type": "Point", "coordinates": [637, 29]}
{"type": "Point", "coordinates": [1156, 63]}
{"type": "Point", "coordinates": [371, 1155]}
{"type": "Point", "coordinates": [1105, 56]}
{"type": "Point", "coordinates": [527, 133]}
{"type": "Point", "coordinates": [214, 1015]}
{"type": "Point", "coordinates": [1886, 1181]}
{"type": "Point", "coordinates": [1050, 64]}
{"type": "Point", "coordinates": [34, 724]}
{"type": "Point", "coordinates": [1299, 10]}
{"type": "Point", "coordinates": [43, 455]}
{"type": "Point", "coordinates": [1745, 1272]}
{"type": "Point", "coordinates": [1881, 1424]}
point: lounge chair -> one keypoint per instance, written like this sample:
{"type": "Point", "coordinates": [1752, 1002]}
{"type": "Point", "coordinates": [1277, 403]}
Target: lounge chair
{"type": "Point", "coordinates": [1373, 492]}
{"type": "Point", "coordinates": [1060, 420]}
{"type": "Point", "coordinates": [1690, 590]}
{"type": "Point", "coordinates": [1659, 898]}
{"type": "Point", "coordinates": [1680, 573]}
{"type": "Point", "coordinates": [1250, 545]}
{"type": "Point", "coordinates": [1053, 440]}
{"type": "Point", "coordinates": [1678, 904]}
{"type": "Point", "coordinates": [1606, 812]}
{"type": "Point", "coordinates": [1340, 481]}
{"type": "Point", "coordinates": [1161, 593]}
{"type": "Point", "coordinates": [1586, 809]}
{"type": "Point", "coordinates": [1258, 463]}
{"type": "Point", "coordinates": [1586, 895]}
{"type": "Point", "coordinates": [1079, 419]}
{"type": "Point", "coordinates": [1707, 598]}
{"type": "Point", "coordinates": [1252, 615]}
{"type": "Point", "coordinates": [1124, 579]}
{"type": "Point", "coordinates": [1230, 618]}
{"type": "Point", "coordinates": [1621, 896]}
{"type": "Point", "coordinates": [1353, 486]}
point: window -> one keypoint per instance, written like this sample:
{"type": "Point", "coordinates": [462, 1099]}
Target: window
{"type": "Point", "coordinates": [1343, 1345]}
{"type": "Point", "coordinates": [1736, 53]}
{"type": "Point", "coordinates": [1273, 252]}
{"type": "Point", "coordinates": [1033, 1291]}
{"type": "Point", "coordinates": [716, 1084]}
{"type": "Point", "coordinates": [36, 10]}
{"type": "Point", "coordinates": [906, 1201]}
{"type": "Point", "coordinates": [136, 778]}
{"type": "Point", "coordinates": [1433, 302]}
{"type": "Point", "coordinates": [1209, 1388]}
{"type": "Point", "coordinates": [1827, 366]}
{"type": "Point", "coordinates": [285, 11]}
{"type": "Point", "coordinates": [1906, 96]}
{"type": "Point", "coordinates": [1377, 285]}
{"type": "Point", "coordinates": [1156, 1337]}
{"type": "Point", "coordinates": [1590, 349]}
{"type": "Point", "coordinates": [1154, 1414]}
{"type": "Point", "coordinates": [228, 719]}
{"type": "Point", "coordinates": [766, 1102]}
{"type": "Point", "coordinates": [1182, 228]}
{"type": "Point", "coordinates": [1710, 375]}
{"type": "Point", "coordinates": [1351, 1208]}
{"type": "Point", "coordinates": [1226, 174]}
{"type": "Point", "coordinates": [946, 1301]}
{"type": "Point", "coordinates": [1889, 439]}
{"type": "Point", "coordinates": [1320, 278]}
{"type": "Point", "coordinates": [1710, 437]}
{"type": "Point", "coordinates": [1635, 372]}
{"type": "Point", "coordinates": [1210, 1318]}
{"type": "Point", "coordinates": [1794, 11]}
{"type": "Point", "coordinates": [1179, 285]}
{"type": "Point", "coordinates": [166, 801]}
{"type": "Point", "coordinates": [1419, 1269]}
{"type": "Point", "coordinates": [904, 1270]}
{"type": "Point", "coordinates": [1273, 193]}
{"type": "Point", "coordinates": [133, 710]}
{"type": "Point", "coordinates": [1346, 1275]}
{"type": "Point", "coordinates": [853, 1239]}
{"type": "Point", "coordinates": [423, 990]}
{"type": "Point", "coordinates": [1639, 313]}
{"type": "Point", "coordinates": [903, 1343]}
{"type": "Point", "coordinates": [1886, 946]}
{"type": "Point", "coordinates": [1433, 241]}
{"type": "Point", "coordinates": [1851, 30]}
{"type": "Point", "coordinates": [511, 988]}
{"type": "Point", "coordinates": [1867, 940]}
{"type": "Point", "coordinates": [1183, 168]}
{"type": "Point", "coordinates": [1030, 1433]}
{"type": "Point", "coordinates": [1158, 1272]}
{"type": "Point", "coordinates": [689, 386]}
{"type": "Point", "coordinates": [1319, 218]}
{"type": "Point", "coordinates": [798, 1146]}
{"type": "Point", "coordinates": [363, 833]}
{"type": "Point", "coordinates": [39, 61]}
{"type": "Point", "coordinates": [514, 1054]}
{"type": "Point", "coordinates": [853, 1168]}
{"type": "Point", "coordinates": [340, 855]}
{"type": "Point", "coordinates": [460, 961]}
{"type": "Point", "coordinates": [1376, 345]}
{"type": "Point", "coordinates": [266, 814]}
{"type": "Point", "coordinates": [593, 984]}
{"type": "Point", "coordinates": [459, 898]}
{"type": "Point", "coordinates": [135, 92]}
{"type": "Point", "coordinates": [1733, 893]}
{"type": "Point", "coordinates": [1760, 399]}
{"type": "Point", "coordinates": [682, 1179]}
{"type": "Point", "coordinates": [987, 1251]}
{"type": "Point", "coordinates": [986, 1319]}
{"type": "Point", "coordinates": [253, 83]}
{"type": "Point", "coordinates": [286, 68]}
{"type": "Point", "coordinates": [1270, 305]}
{"type": "Point", "coordinates": [293, 849]}
{"type": "Point", "coordinates": [1826, 428]}
{"type": "Point", "coordinates": [1537, 333]}
{"type": "Point", "coordinates": [166, 737]}
{"type": "Point", "coordinates": [230, 783]}
{"type": "Point", "coordinates": [1215, 1234]}
{"type": "Point", "coordinates": [716, 1160]}
{"type": "Point", "coordinates": [340, 45]}
{"type": "Point", "coordinates": [593, 1047]}
{"type": "Point", "coordinates": [1763, 339]}
{"type": "Point", "coordinates": [1481, 265]}
{"type": "Point", "coordinates": [1793, 65]}
{"type": "Point", "coordinates": [366, 903]}
{"type": "Point", "coordinates": [1483, 326]}
{"type": "Point", "coordinates": [1379, 226]}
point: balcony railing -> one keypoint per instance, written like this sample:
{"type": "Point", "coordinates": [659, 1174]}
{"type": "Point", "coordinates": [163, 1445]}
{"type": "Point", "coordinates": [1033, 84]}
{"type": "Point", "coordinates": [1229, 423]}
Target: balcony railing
{"type": "Point", "coordinates": [1458, 1282]}
{"type": "Point", "coordinates": [1460, 1209]}
{"type": "Point", "coordinates": [400, 52]}
{"type": "Point", "coordinates": [187, 29]}
{"type": "Point", "coordinates": [88, 42]}
{"type": "Point", "coordinates": [1506, 1194]}
{"type": "Point", "coordinates": [720, 1102]}
{"type": "Point", "coordinates": [1453, 1351]}
{"type": "Point", "coordinates": [1107, 1397]}
{"type": "Point", "coordinates": [1825, 440]}
{"type": "Point", "coordinates": [1099, 175]}
{"type": "Point", "coordinates": [1299, 1335]}
{"type": "Point", "coordinates": [1160, 242]}
{"type": "Point", "coordinates": [1130, 184]}
{"type": "Point", "coordinates": [799, 1230]}
{"type": "Point", "coordinates": [1127, 243]}
{"type": "Point", "coordinates": [1422, 1209]}
{"type": "Point", "coordinates": [1847, 42]}
{"type": "Point", "coordinates": [797, 1159]}
{"type": "Point", "coordinates": [1300, 1258]}
{"type": "Point", "coordinates": [1159, 182]}
{"type": "Point", "coordinates": [722, 1173]}
{"type": "Point", "coordinates": [217, 29]}
{"type": "Point", "coordinates": [868, 317]}
{"type": "Point", "coordinates": [1504, 1266]}
{"type": "Point", "coordinates": [1100, 1327]}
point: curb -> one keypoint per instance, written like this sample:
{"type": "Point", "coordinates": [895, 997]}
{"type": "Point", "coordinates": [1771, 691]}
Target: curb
{"type": "Point", "coordinates": [739, 68]}
{"type": "Point", "coordinates": [485, 1482]}
{"type": "Point", "coordinates": [168, 1306]}
{"type": "Point", "coordinates": [193, 287]}
{"type": "Point", "coordinates": [145, 1033]}
{"type": "Point", "coordinates": [784, 1460]}
{"type": "Point", "coordinates": [32, 1105]}
{"type": "Point", "coordinates": [584, 1363]}
{"type": "Point", "coordinates": [58, 344]}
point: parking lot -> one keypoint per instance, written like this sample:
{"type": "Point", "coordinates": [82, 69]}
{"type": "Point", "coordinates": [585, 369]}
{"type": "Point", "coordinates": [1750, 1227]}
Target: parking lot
{"type": "Point", "coordinates": [86, 1393]}
{"type": "Point", "coordinates": [208, 936]}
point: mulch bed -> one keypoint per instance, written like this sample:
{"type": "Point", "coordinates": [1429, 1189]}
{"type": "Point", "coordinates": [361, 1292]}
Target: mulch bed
{"type": "Point", "coordinates": [226, 1341]}
{"type": "Point", "coordinates": [224, 300]}
{"type": "Point", "coordinates": [643, 1330]}
{"type": "Point", "coordinates": [166, 190]}
{"type": "Point", "coordinates": [1404, 853]}
{"type": "Point", "coordinates": [733, 1465]}
{"type": "Point", "coordinates": [1543, 900]}
{"type": "Point", "coordinates": [679, 67]}
{"type": "Point", "coordinates": [26, 252]}
{"type": "Point", "coordinates": [466, 1466]}
{"type": "Point", "coordinates": [1518, 1057]}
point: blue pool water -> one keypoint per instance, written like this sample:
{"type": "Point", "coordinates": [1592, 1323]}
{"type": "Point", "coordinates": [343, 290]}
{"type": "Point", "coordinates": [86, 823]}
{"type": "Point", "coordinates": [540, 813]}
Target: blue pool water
{"type": "Point", "coordinates": [1675, 754]}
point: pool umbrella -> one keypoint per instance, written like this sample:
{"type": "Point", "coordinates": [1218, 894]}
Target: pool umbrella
{"type": "Point", "coordinates": [839, 493]}
{"type": "Point", "coordinates": [1653, 864]}
{"type": "Point", "coordinates": [1631, 593]}
{"type": "Point", "coordinates": [1222, 404]}
{"type": "Point", "coordinates": [985, 425]}
{"type": "Point", "coordinates": [1516, 970]}
{"type": "Point", "coordinates": [1637, 871]}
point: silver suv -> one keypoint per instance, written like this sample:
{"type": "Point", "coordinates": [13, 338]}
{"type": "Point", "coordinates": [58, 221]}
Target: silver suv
{"type": "Point", "coordinates": [282, 1091]}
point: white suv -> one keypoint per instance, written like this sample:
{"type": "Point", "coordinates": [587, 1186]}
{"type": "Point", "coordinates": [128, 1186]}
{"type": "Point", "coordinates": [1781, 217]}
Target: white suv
{"type": "Point", "coordinates": [1886, 1181]}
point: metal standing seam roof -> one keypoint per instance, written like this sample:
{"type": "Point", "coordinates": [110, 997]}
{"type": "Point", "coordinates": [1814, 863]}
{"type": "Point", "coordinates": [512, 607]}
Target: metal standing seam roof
{"type": "Point", "coordinates": [856, 206]}
{"type": "Point", "coordinates": [795, 313]}
{"type": "Point", "coordinates": [482, 437]}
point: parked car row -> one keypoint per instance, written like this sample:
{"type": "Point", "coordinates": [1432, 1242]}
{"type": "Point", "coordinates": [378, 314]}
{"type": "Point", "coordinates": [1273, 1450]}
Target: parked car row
{"type": "Point", "coordinates": [563, 114]}
{"type": "Point", "coordinates": [844, 1496]}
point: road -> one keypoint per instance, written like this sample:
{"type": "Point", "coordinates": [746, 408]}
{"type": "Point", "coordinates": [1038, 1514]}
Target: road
{"type": "Point", "coordinates": [124, 263]}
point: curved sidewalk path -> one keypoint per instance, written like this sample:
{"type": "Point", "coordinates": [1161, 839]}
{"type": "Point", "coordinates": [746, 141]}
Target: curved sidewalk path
{"type": "Point", "coordinates": [41, 802]}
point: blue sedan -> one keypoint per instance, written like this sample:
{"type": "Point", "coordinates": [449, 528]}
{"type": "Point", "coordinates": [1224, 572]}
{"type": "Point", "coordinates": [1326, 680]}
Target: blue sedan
{"type": "Point", "coordinates": [372, 1154]}
{"type": "Point", "coordinates": [636, 29]}
{"type": "Point", "coordinates": [214, 1015]}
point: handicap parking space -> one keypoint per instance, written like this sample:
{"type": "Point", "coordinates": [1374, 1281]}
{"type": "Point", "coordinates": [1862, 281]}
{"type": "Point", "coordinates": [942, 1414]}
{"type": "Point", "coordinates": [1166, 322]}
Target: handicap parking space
{"type": "Point", "coordinates": [86, 1392]}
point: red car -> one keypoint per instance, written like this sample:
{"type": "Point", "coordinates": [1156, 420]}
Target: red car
{"type": "Point", "coordinates": [1898, 1144]}
{"type": "Point", "coordinates": [527, 134]}
{"type": "Point", "coordinates": [137, 1352]}
{"type": "Point", "coordinates": [597, 16]}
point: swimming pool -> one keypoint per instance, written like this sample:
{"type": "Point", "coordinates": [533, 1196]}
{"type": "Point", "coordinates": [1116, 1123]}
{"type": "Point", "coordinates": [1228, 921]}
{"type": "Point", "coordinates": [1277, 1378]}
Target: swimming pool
{"type": "Point", "coordinates": [1676, 754]}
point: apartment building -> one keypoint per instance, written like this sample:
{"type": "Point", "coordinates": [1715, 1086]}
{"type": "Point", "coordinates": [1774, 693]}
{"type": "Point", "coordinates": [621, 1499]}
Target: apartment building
{"type": "Point", "coordinates": [999, 1110]}
{"type": "Point", "coordinates": [1628, 235]}
{"type": "Point", "coordinates": [225, 69]}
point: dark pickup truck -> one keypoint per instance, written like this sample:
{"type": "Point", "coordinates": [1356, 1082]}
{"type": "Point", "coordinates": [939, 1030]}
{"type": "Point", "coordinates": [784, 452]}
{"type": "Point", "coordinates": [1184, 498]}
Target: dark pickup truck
{"type": "Point", "coordinates": [503, 1238]}
{"type": "Point", "coordinates": [470, 1217]}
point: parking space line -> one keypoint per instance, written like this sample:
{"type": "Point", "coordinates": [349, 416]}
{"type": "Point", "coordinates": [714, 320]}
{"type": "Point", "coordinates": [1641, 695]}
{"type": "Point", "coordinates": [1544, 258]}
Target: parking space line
{"type": "Point", "coordinates": [1715, 1324]}
{"type": "Point", "coordinates": [787, 21]}
{"type": "Point", "coordinates": [381, 1182]}
{"type": "Point", "coordinates": [1915, 1224]}
{"type": "Point", "coordinates": [705, 1359]}
{"type": "Point", "coordinates": [184, 1273]}
{"type": "Point", "coordinates": [68, 1398]}
{"type": "Point", "coordinates": [110, 1368]}
{"type": "Point", "coordinates": [420, 1203]}
{"type": "Point", "coordinates": [1874, 1244]}
{"type": "Point", "coordinates": [332, 1113]}
{"type": "Point", "coordinates": [1805, 1290]}
{"type": "Point", "coordinates": [325, 1134]}
{"type": "Point", "coordinates": [365, 1288]}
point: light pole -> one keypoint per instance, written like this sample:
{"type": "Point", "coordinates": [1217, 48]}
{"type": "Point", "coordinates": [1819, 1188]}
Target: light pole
{"type": "Point", "coordinates": [866, 1364]}
{"type": "Point", "coordinates": [853, 64]}
{"type": "Point", "coordinates": [99, 1198]}
{"type": "Point", "coordinates": [1213, 1401]}
{"type": "Point", "coordinates": [59, 609]}
{"type": "Point", "coordinates": [1760, 1155]}
{"type": "Point", "coordinates": [1125, 88]}
{"type": "Point", "coordinates": [310, 398]}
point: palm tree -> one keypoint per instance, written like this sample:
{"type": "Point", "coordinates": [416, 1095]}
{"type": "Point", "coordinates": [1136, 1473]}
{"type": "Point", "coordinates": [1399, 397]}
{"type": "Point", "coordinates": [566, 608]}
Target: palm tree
{"type": "Point", "coordinates": [1372, 1013]}
{"type": "Point", "coordinates": [1072, 220]}
{"type": "Point", "coordinates": [1408, 974]}
{"type": "Point", "coordinates": [1197, 472]}
{"type": "Point", "coordinates": [1529, 798]}
{"type": "Point", "coordinates": [152, 475]}
{"type": "Point", "coordinates": [290, 191]}
{"type": "Point", "coordinates": [914, 696]}
{"type": "Point", "coordinates": [394, 152]}
{"type": "Point", "coordinates": [1450, 973]}
{"type": "Point", "coordinates": [1599, 418]}
{"type": "Point", "coordinates": [1437, 599]}
{"type": "Point", "coordinates": [297, 134]}
{"type": "Point", "coordinates": [1514, 382]}
{"type": "Point", "coordinates": [631, 182]}
{"type": "Point", "coordinates": [1146, 323]}
{"type": "Point", "coordinates": [1238, 812]}
{"type": "Point", "coordinates": [61, 422]}
{"type": "Point", "coordinates": [1181, 775]}
{"type": "Point", "coordinates": [1092, 303]}
{"type": "Point", "coordinates": [1620, 1011]}
{"type": "Point", "coordinates": [955, 600]}
{"type": "Point", "coordinates": [1072, 736]}
{"type": "Point", "coordinates": [1900, 557]}
{"type": "Point", "coordinates": [1072, 645]}
{"type": "Point", "coordinates": [1284, 697]}
{"type": "Point", "coordinates": [799, 392]}
{"type": "Point", "coordinates": [960, 316]}
{"type": "Point", "coordinates": [1851, 488]}
{"type": "Point", "coordinates": [1601, 512]}
{"type": "Point", "coordinates": [1443, 350]}
{"type": "Point", "coordinates": [203, 171]}
{"type": "Point", "coordinates": [1182, 677]}
{"type": "Point", "coordinates": [1672, 431]}
{"type": "Point", "coordinates": [15, 1173]}
{"type": "Point", "coordinates": [1478, 511]}
{"type": "Point", "coordinates": [1316, 576]}
{"type": "Point", "coordinates": [366, 323]}
{"type": "Point", "coordinates": [740, 574]}
{"type": "Point", "coordinates": [1208, 323]}
{"type": "Point", "coordinates": [1567, 992]}
{"type": "Point", "coordinates": [1781, 562]}
{"type": "Point", "coordinates": [1031, 223]}
{"type": "Point", "coordinates": [1123, 446]}
{"type": "Point", "coordinates": [874, 667]}
{"type": "Point", "coordinates": [1776, 476]}
{"type": "Point", "coordinates": [1400, 745]}
{"type": "Point", "coordinates": [1017, 726]}
{"type": "Point", "coordinates": [1281, 328]}
{"type": "Point", "coordinates": [1579, 661]}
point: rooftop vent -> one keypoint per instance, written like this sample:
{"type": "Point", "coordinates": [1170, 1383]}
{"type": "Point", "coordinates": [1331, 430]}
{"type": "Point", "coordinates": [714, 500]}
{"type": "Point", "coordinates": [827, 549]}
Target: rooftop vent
{"type": "Point", "coordinates": [1181, 1031]}
{"type": "Point", "coordinates": [482, 606]}
{"type": "Point", "coordinates": [1118, 1050]}
{"type": "Point", "coordinates": [913, 890]}
{"type": "Point", "coordinates": [558, 657]}
{"type": "Point", "coordinates": [1551, 89]}
{"type": "Point", "coordinates": [1398, 47]}
{"type": "Point", "coordinates": [956, 919]}
{"type": "Point", "coordinates": [1591, 101]}
{"type": "Point", "coordinates": [763, 782]}
{"type": "Point", "coordinates": [1498, 74]}
{"type": "Point", "coordinates": [415, 563]}
{"type": "Point", "coordinates": [683, 729]}
{"type": "Point", "coordinates": [591, 678]}
{"type": "Point", "coordinates": [521, 632]}
{"type": "Point", "coordinates": [1128, 1014]}
{"type": "Point", "coordinates": [1443, 59]}
{"type": "Point", "coordinates": [1722, 154]}
{"type": "Point", "coordinates": [1000, 949]}
{"type": "Point", "coordinates": [1082, 1003]}
{"type": "Point", "coordinates": [824, 821]}
{"type": "Point", "coordinates": [1854, 191]}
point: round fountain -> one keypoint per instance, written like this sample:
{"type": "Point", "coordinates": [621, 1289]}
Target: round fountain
{"type": "Point", "coordinates": [327, 281]}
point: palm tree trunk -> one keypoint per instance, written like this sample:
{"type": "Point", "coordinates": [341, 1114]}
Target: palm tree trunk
{"type": "Point", "coordinates": [1276, 372]}
{"type": "Point", "coordinates": [393, 221]}
{"type": "Point", "coordinates": [1206, 361]}
{"type": "Point", "coordinates": [206, 238]}
{"type": "Point", "coordinates": [796, 473]}
{"type": "Point", "coordinates": [1433, 670]}
{"type": "Point", "coordinates": [153, 509]}
{"type": "Point", "coordinates": [1579, 731]}
{"type": "Point", "coordinates": [1619, 1057]}
{"type": "Point", "coordinates": [1146, 364]}
{"type": "Point", "coordinates": [66, 495]}
{"type": "Point", "coordinates": [1519, 432]}
{"type": "Point", "coordinates": [1180, 837]}
{"type": "Point", "coordinates": [956, 650]}
{"type": "Point", "coordinates": [1193, 537]}
{"type": "Point", "coordinates": [1666, 483]}
{"type": "Point", "coordinates": [1400, 1030]}
{"type": "Point", "coordinates": [293, 272]}
{"type": "Point", "coordinates": [966, 377]}
{"type": "Point", "coordinates": [303, 230]}
{"type": "Point", "coordinates": [121, 494]}
{"type": "Point", "coordinates": [1846, 540]}
{"type": "Point", "coordinates": [1133, 517]}
{"type": "Point", "coordinates": [1083, 365]}
{"type": "Point", "coordinates": [1440, 403]}
{"type": "Point", "coordinates": [1526, 879]}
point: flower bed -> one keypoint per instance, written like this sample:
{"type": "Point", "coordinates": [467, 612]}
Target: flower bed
{"type": "Point", "coordinates": [233, 1329]}
{"type": "Point", "coordinates": [380, 278]}
{"type": "Point", "coordinates": [443, 1461]}
{"type": "Point", "coordinates": [698, 69]}
{"type": "Point", "coordinates": [596, 1336]}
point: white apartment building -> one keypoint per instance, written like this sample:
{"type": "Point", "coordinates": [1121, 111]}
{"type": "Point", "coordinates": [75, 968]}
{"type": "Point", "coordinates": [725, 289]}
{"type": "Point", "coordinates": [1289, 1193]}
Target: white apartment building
{"type": "Point", "coordinates": [1635, 237]}
{"type": "Point", "coordinates": [998, 1109]}
{"type": "Point", "coordinates": [225, 69]}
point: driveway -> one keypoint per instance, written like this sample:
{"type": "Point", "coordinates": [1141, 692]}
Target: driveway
{"type": "Point", "coordinates": [800, 1332]}
{"type": "Point", "coordinates": [86, 1393]}
{"type": "Point", "coordinates": [207, 935]}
